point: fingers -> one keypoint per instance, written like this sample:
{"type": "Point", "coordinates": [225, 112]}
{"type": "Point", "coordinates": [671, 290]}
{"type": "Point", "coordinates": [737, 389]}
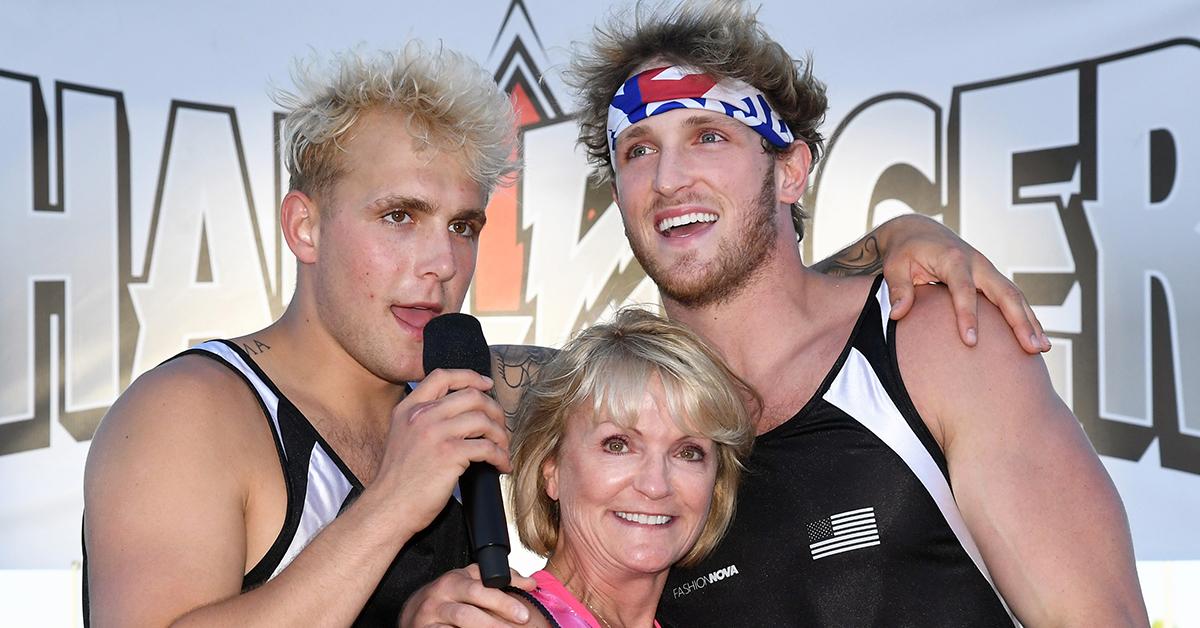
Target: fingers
{"type": "Point", "coordinates": [966, 310]}
{"type": "Point", "coordinates": [955, 273]}
{"type": "Point", "coordinates": [495, 601]}
{"type": "Point", "coordinates": [459, 402]}
{"type": "Point", "coordinates": [484, 450]}
{"type": "Point", "coordinates": [470, 616]}
{"type": "Point", "coordinates": [458, 598]}
{"type": "Point", "coordinates": [460, 434]}
{"type": "Point", "coordinates": [1044, 340]}
{"type": "Point", "coordinates": [436, 432]}
{"type": "Point", "coordinates": [900, 291]}
{"type": "Point", "coordinates": [467, 402]}
{"type": "Point", "coordinates": [440, 382]}
{"type": "Point", "coordinates": [521, 582]}
{"type": "Point", "coordinates": [1005, 294]}
{"type": "Point", "coordinates": [1019, 316]}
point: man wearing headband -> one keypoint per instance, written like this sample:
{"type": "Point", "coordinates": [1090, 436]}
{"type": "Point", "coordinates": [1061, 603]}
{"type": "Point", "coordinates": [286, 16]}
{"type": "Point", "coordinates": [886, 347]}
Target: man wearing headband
{"type": "Point", "coordinates": [707, 130]}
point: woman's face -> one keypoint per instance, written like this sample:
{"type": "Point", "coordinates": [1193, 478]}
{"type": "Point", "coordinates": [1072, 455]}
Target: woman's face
{"type": "Point", "coordinates": [630, 499]}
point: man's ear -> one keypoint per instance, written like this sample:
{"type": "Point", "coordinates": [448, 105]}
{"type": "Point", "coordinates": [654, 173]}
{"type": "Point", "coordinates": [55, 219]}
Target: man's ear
{"type": "Point", "coordinates": [791, 172]}
{"type": "Point", "coordinates": [300, 218]}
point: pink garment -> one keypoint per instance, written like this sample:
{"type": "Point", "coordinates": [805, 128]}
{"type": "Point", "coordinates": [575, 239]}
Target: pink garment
{"type": "Point", "coordinates": [564, 607]}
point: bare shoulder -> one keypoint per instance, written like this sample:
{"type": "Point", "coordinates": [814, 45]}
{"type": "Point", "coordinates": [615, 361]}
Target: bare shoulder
{"type": "Point", "coordinates": [513, 368]}
{"type": "Point", "coordinates": [190, 413]}
{"type": "Point", "coordinates": [930, 333]}
{"type": "Point", "coordinates": [188, 398]}
{"type": "Point", "coordinates": [946, 378]}
{"type": "Point", "coordinates": [182, 441]}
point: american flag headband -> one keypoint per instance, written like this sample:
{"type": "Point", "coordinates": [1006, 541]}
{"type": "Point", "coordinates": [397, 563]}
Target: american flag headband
{"type": "Point", "coordinates": [665, 89]}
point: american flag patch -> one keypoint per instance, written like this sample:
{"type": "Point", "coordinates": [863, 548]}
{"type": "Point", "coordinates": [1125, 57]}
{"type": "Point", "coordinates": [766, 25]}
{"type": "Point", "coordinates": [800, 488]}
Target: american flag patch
{"type": "Point", "coordinates": [843, 532]}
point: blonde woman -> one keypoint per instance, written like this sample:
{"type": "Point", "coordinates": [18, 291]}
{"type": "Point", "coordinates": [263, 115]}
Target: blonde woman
{"type": "Point", "coordinates": [626, 456]}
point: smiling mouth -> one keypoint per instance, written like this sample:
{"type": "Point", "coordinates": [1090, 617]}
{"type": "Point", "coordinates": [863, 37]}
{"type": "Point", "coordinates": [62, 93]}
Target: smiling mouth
{"type": "Point", "coordinates": [644, 519]}
{"type": "Point", "coordinates": [686, 224]}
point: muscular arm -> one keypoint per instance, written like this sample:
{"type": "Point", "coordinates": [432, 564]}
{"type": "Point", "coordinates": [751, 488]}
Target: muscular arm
{"type": "Point", "coordinates": [1046, 516]}
{"type": "Point", "coordinates": [172, 492]}
{"type": "Point", "coordinates": [913, 250]}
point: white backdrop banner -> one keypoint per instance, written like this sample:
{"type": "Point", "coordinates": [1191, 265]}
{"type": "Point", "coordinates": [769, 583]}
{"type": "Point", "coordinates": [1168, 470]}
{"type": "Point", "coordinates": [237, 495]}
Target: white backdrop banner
{"type": "Point", "coordinates": [139, 183]}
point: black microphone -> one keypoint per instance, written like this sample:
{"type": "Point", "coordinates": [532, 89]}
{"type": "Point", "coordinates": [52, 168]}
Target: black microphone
{"type": "Point", "coordinates": [455, 341]}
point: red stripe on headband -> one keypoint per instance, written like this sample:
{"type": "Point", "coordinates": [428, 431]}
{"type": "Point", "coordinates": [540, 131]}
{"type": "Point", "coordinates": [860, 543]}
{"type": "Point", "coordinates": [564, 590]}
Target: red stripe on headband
{"type": "Point", "coordinates": [654, 89]}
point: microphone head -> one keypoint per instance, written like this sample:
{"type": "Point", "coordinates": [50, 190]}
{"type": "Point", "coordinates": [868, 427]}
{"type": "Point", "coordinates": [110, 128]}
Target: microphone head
{"type": "Point", "coordinates": [455, 341]}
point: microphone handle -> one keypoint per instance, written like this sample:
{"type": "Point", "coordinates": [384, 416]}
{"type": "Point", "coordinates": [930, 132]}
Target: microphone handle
{"type": "Point", "coordinates": [480, 485]}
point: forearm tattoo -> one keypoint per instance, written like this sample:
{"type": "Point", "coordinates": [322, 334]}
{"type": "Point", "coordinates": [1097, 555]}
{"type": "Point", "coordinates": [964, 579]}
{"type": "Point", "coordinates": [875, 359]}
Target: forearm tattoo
{"type": "Point", "coordinates": [514, 366]}
{"type": "Point", "coordinates": [861, 258]}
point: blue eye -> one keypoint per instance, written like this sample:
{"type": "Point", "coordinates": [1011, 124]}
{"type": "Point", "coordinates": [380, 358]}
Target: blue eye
{"type": "Point", "coordinates": [709, 137]}
{"type": "Point", "coordinates": [638, 151]}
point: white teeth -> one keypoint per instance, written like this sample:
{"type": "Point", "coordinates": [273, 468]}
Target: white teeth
{"type": "Point", "coordinates": [686, 219]}
{"type": "Point", "coordinates": [646, 520]}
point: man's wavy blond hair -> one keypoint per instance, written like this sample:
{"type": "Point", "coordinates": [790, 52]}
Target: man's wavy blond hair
{"type": "Point", "coordinates": [449, 101]}
{"type": "Point", "coordinates": [604, 373]}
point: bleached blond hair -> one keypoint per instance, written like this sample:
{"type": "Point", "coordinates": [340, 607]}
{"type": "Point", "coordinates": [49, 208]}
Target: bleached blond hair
{"type": "Point", "coordinates": [450, 103]}
{"type": "Point", "coordinates": [605, 373]}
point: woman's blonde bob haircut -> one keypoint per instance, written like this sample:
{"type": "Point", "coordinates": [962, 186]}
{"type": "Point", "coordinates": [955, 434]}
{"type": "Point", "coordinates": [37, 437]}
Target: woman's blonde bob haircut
{"type": "Point", "coordinates": [604, 373]}
{"type": "Point", "coordinates": [450, 103]}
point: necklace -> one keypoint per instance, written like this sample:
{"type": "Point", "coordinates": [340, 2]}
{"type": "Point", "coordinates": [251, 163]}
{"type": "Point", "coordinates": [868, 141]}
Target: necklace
{"type": "Point", "coordinates": [596, 613]}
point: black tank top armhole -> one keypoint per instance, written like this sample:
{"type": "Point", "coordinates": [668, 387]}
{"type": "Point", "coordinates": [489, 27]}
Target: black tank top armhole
{"type": "Point", "coordinates": [263, 569]}
{"type": "Point", "coordinates": [523, 594]}
{"type": "Point", "coordinates": [908, 409]}
{"type": "Point", "coordinates": [87, 607]}
{"type": "Point", "coordinates": [303, 425]}
{"type": "Point", "coordinates": [864, 316]}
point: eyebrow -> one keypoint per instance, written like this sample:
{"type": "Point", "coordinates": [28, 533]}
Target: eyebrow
{"type": "Point", "coordinates": [709, 119]}
{"type": "Point", "coordinates": [475, 214]}
{"type": "Point", "coordinates": [633, 133]}
{"type": "Point", "coordinates": [691, 122]}
{"type": "Point", "coordinates": [418, 205]}
{"type": "Point", "coordinates": [412, 204]}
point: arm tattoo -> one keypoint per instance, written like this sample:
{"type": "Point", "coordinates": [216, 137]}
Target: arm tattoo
{"type": "Point", "coordinates": [861, 258]}
{"type": "Point", "coordinates": [515, 365]}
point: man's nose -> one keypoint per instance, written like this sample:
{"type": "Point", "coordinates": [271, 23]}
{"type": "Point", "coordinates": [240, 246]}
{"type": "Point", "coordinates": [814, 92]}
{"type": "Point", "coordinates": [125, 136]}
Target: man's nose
{"type": "Point", "coordinates": [674, 172]}
{"type": "Point", "coordinates": [436, 256]}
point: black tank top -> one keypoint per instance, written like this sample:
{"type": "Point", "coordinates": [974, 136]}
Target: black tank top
{"type": "Point", "coordinates": [319, 487]}
{"type": "Point", "coordinates": [845, 516]}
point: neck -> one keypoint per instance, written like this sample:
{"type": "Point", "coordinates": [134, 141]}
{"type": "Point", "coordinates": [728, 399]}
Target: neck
{"type": "Point", "coordinates": [745, 330]}
{"type": "Point", "coordinates": [317, 373]}
{"type": "Point", "coordinates": [617, 600]}
{"type": "Point", "coordinates": [780, 335]}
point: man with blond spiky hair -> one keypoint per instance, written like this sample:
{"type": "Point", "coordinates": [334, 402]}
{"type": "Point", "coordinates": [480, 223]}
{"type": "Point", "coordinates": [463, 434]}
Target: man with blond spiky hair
{"type": "Point", "coordinates": [292, 476]}
{"type": "Point", "coordinates": [189, 518]}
